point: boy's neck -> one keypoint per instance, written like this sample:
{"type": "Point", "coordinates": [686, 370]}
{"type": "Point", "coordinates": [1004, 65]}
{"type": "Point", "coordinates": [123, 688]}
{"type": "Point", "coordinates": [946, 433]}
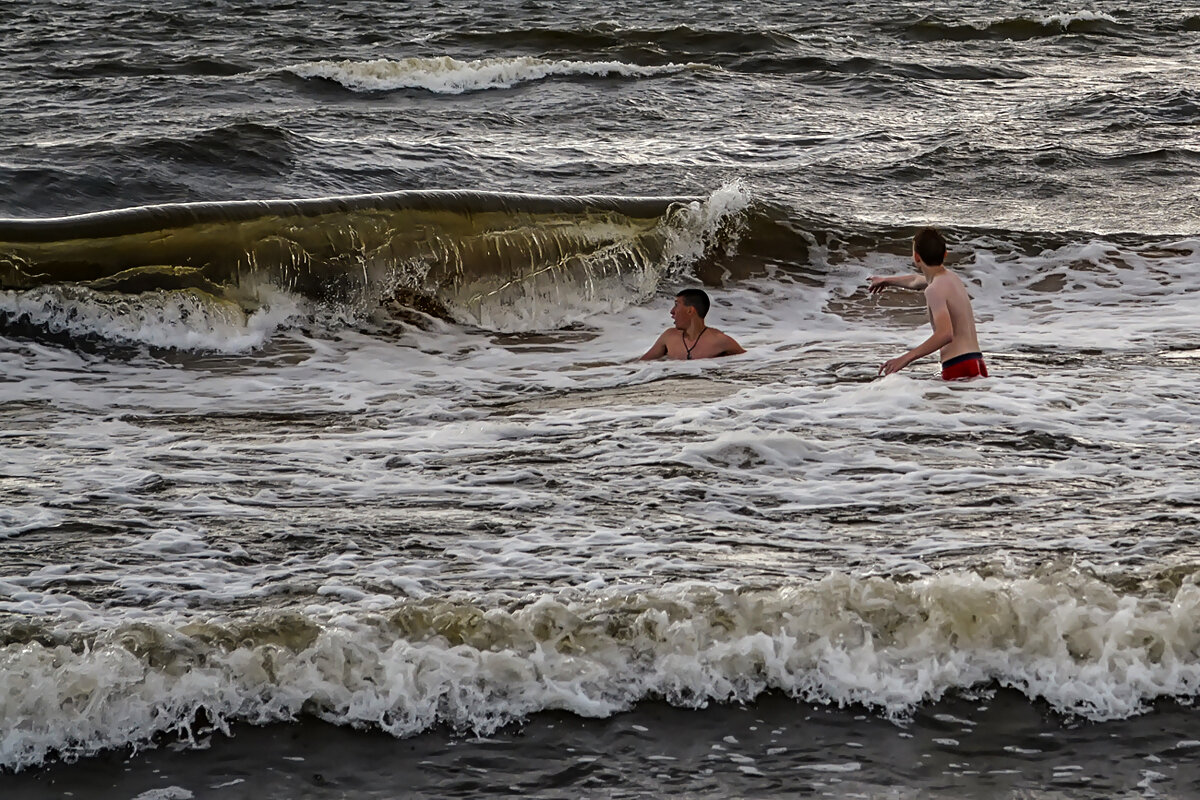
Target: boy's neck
{"type": "Point", "coordinates": [932, 272]}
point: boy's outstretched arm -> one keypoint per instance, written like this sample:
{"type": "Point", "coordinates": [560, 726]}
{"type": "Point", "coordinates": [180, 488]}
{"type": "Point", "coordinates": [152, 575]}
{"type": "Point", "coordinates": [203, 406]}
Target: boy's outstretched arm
{"type": "Point", "coordinates": [880, 282]}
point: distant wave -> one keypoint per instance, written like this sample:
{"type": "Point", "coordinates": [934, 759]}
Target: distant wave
{"type": "Point", "coordinates": [1073, 641]}
{"type": "Point", "coordinates": [1179, 105]}
{"type": "Point", "coordinates": [1080, 22]}
{"type": "Point", "coordinates": [1067, 20]}
{"type": "Point", "coordinates": [682, 39]}
{"type": "Point", "coordinates": [864, 65]}
{"type": "Point", "coordinates": [248, 147]}
{"type": "Point", "coordinates": [446, 75]}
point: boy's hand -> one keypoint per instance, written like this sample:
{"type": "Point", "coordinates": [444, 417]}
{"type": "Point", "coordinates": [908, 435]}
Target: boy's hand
{"type": "Point", "coordinates": [878, 284]}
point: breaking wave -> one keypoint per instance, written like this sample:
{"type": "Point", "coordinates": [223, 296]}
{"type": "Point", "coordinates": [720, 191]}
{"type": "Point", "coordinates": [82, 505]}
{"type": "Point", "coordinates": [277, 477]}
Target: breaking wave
{"type": "Point", "coordinates": [229, 273]}
{"type": "Point", "coordinates": [446, 75]}
{"type": "Point", "coordinates": [1071, 640]}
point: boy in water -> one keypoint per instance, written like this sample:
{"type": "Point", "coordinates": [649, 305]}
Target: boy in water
{"type": "Point", "coordinates": [690, 338]}
{"type": "Point", "coordinates": [950, 312]}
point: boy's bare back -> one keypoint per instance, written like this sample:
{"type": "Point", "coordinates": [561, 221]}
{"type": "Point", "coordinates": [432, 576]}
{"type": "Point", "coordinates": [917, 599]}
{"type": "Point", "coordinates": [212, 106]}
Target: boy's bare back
{"type": "Point", "coordinates": [947, 290]}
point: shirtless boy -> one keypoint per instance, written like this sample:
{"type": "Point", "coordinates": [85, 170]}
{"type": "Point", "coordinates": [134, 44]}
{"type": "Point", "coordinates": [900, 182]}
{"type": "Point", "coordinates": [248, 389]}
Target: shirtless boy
{"type": "Point", "coordinates": [690, 338]}
{"type": "Point", "coordinates": [950, 312]}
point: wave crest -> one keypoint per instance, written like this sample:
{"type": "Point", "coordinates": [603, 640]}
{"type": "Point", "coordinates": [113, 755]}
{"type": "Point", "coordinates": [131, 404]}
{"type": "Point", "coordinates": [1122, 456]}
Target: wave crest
{"type": "Point", "coordinates": [1020, 28]}
{"type": "Point", "coordinates": [886, 644]}
{"type": "Point", "coordinates": [504, 262]}
{"type": "Point", "coordinates": [446, 75]}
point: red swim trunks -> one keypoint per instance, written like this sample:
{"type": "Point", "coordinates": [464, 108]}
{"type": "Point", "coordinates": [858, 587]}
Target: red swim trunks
{"type": "Point", "coordinates": [968, 365]}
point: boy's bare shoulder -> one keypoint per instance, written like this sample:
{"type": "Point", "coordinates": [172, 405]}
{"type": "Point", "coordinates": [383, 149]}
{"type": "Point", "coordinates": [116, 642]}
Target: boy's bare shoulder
{"type": "Point", "coordinates": [947, 281]}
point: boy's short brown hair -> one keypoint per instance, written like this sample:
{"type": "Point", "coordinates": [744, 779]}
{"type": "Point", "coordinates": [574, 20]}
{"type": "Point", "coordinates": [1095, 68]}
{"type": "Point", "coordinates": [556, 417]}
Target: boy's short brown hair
{"type": "Point", "coordinates": [930, 245]}
{"type": "Point", "coordinates": [697, 299]}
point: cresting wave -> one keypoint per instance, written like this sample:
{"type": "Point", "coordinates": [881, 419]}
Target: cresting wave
{"type": "Point", "coordinates": [501, 261]}
{"type": "Point", "coordinates": [890, 645]}
{"type": "Point", "coordinates": [446, 75]}
{"type": "Point", "coordinates": [225, 277]}
{"type": "Point", "coordinates": [1019, 28]}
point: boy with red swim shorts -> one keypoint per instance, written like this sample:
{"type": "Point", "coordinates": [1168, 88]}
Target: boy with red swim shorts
{"type": "Point", "coordinates": [950, 312]}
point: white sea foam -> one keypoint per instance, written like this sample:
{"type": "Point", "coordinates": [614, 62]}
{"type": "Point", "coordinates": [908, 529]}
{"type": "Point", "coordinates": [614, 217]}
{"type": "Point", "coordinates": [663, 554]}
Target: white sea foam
{"type": "Point", "coordinates": [1066, 19]}
{"type": "Point", "coordinates": [1064, 638]}
{"type": "Point", "coordinates": [1055, 296]}
{"type": "Point", "coordinates": [167, 793]}
{"type": "Point", "coordinates": [446, 75]}
{"type": "Point", "coordinates": [182, 320]}
{"type": "Point", "coordinates": [17, 519]}
{"type": "Point", "coordinates": [715, 226]}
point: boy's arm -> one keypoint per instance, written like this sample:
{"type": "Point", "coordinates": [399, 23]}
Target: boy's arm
{"type": "Point", "coordinates": [658, 349]}
{"type": "Point", "coordinates": [943, 334]}
{"type": "Point", "coordinates": [881, 282]}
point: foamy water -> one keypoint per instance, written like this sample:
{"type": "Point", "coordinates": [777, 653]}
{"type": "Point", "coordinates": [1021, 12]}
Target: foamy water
{"type": "Point", "coordinates": [275, 516]}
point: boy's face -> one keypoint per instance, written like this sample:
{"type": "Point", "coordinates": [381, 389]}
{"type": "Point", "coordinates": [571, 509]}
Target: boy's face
{"type": "Point", "coordinates": [682, 314]}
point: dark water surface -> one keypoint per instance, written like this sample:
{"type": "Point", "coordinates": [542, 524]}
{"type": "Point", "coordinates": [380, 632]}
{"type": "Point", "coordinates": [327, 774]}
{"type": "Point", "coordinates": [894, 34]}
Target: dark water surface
{"type": "Point", "coordinates": [999, 748]}
{"type": "Point", "coordinates": [1021, 115]}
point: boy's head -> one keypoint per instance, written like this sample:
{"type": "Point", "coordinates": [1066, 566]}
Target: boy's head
{"type": "Point", "coordinates": [687, 303]}
{"type": "Point", "coordinates": [929, 248]}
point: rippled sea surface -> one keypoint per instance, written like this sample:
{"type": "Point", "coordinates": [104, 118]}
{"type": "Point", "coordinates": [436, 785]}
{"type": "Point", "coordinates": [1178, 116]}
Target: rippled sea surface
{"type": "Point", "coordinates": [356, 490]}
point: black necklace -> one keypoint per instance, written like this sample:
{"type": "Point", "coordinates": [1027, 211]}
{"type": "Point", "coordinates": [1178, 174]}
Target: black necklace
{"type": "Point", "coordinates": [694, 343]}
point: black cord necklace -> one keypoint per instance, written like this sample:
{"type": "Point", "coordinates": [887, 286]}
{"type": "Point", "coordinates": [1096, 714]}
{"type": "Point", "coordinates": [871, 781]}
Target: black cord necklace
{"type": "Point", "coordinates": [694, 343]}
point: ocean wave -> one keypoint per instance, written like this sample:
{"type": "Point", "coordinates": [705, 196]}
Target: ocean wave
{"type": "Point", "coordinates": [1019, 28]}
{"type": "Point", "coordinates": [864, 65]}
{"type": "Point", "coordinates": [682, 40]}
{"type": "Point", "coordinates": [141, 62]}
{"type": "Point", "coordinates": [1069, 19]}
{"type": "Point", "coordinates": [250, 148]}
{"type": "Point", "coordinates": [503, 262]}
{"type": "Point", "coordinates": [1168, 104]}
{"type": "Point", "coordinates": [1065, 638]}
{"type": "Point", "coordinates": [446, 75]}
{"type": "Point", "coordinates": [225, 277]}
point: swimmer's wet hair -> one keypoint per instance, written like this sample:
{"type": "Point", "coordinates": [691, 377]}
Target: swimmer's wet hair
{"type": "Point", "coordinates": [697, 299]}
{"type": "Point", "coordinates": [930, 245]}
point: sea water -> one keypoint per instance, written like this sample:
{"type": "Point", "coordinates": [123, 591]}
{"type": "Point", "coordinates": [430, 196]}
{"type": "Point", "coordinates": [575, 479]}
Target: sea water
{"type": "Point", "coordinates": [328, 469]}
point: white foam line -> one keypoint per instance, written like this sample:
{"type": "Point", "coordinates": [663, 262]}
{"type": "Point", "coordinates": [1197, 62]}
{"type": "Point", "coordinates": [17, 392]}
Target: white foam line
{"type": "Point", "coordinates": [446, 75]}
